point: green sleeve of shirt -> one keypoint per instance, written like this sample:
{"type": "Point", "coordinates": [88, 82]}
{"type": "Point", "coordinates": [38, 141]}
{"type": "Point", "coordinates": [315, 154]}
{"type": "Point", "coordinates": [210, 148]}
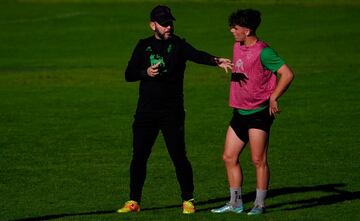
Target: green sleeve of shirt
{"type": "Point", "coordinates": [270, 59]}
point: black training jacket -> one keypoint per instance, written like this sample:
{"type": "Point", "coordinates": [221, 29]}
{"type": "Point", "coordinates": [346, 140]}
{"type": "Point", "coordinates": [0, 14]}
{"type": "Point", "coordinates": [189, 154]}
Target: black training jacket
{"type": "Point", "coordinates": [164, 92]}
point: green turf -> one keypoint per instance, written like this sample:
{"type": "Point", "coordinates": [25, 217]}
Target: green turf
{"type": "Point", "coordinates": [66, 111]}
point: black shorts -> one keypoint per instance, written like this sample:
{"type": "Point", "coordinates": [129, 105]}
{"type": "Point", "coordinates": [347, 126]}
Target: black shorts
{"type": "Point", "coordinates": [242, 123]}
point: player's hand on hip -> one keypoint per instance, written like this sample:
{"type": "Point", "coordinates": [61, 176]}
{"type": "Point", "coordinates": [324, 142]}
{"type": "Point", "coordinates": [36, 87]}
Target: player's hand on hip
{"type": "Point", "coordinates": [273, 107]}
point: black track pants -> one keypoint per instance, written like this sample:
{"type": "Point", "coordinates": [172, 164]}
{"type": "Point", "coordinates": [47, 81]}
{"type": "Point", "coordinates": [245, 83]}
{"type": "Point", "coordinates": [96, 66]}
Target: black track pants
{"type": "Point", "coordinates": [146, 128]}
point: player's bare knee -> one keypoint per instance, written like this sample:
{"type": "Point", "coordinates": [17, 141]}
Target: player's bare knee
{"type": "Point", "coordinates": [258, 162]}
{"type": "Point", "coordinates": [229, 160]}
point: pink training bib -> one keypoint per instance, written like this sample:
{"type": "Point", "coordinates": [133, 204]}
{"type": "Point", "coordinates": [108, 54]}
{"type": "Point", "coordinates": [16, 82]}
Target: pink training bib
{"type": "Point", "coordinates": [252, 85]}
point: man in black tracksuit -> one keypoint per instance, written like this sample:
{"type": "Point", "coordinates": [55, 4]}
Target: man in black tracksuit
{"type": "Point", "coordinates": [158, 62]}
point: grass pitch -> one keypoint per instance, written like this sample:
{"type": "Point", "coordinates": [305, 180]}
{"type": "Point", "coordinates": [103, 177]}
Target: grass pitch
{"type": "Point", "coordinates": [66, 111]}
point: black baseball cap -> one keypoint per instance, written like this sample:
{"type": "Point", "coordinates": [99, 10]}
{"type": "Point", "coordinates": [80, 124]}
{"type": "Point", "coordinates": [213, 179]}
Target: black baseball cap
{"type": "Point", "coordinates": [161, 14]}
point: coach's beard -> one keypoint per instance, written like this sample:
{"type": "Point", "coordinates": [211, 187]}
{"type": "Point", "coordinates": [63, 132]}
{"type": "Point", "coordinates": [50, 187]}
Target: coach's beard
{"type": "Point", "coordinates": [162, 36]}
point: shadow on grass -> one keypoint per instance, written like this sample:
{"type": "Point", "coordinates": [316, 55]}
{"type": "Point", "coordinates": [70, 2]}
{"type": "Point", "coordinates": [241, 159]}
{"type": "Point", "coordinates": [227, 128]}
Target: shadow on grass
{"type": "Point", "coordinates": [336, 196]}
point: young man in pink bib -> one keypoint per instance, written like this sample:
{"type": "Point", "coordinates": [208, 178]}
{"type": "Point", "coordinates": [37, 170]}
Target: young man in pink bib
{"type": "Point", "coordinates": [254, 93]}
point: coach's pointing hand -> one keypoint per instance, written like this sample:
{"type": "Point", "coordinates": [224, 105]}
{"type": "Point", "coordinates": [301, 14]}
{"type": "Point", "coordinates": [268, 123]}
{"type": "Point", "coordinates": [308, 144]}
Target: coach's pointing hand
{"type": "Point", "coordinates": [224, 63]}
